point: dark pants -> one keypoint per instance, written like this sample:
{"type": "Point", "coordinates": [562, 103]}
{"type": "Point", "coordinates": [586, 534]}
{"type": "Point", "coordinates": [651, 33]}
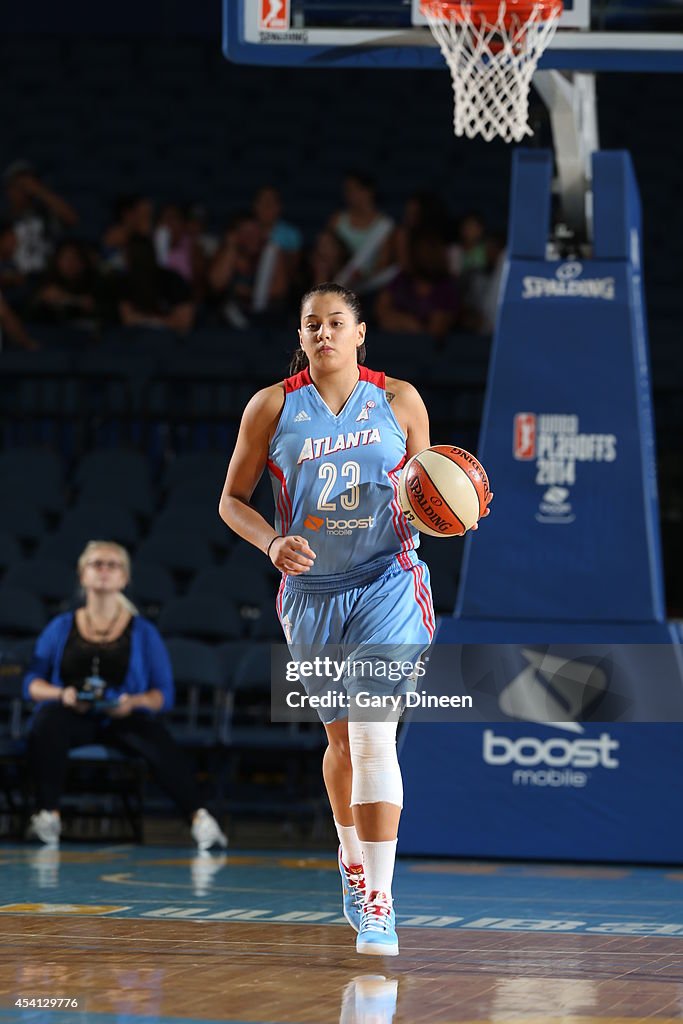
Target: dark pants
{"type": "Point", "coordinates": [57, 729]}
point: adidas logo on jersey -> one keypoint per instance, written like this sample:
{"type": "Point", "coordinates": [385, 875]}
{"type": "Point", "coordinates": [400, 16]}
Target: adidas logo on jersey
{"type": "Point", "coordinates": [301, 416]}
{"type": "Point", "coordinates": [316, 447]}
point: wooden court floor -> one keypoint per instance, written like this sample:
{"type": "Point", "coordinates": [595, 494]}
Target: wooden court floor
{"type": "Point", "coordinates": [156, 934]}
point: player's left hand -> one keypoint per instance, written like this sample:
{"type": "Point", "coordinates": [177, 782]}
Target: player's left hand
{"type": "Point", "coordinates": [486, 511]}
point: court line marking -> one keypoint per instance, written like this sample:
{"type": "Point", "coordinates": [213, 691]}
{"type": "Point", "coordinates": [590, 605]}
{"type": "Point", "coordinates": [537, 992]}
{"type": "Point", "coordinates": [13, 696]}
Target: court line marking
{"type": "Point", "coordinates": [297, 943]}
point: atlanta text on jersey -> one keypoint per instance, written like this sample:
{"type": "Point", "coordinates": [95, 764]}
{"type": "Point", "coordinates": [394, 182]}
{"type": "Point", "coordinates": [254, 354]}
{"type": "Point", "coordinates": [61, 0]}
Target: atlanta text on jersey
{"type": "Point", "coordinates": [317, 447]}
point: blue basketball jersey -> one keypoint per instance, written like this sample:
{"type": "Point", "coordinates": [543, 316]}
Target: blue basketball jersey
{"type": "Point", "coordinates": [335, 478]}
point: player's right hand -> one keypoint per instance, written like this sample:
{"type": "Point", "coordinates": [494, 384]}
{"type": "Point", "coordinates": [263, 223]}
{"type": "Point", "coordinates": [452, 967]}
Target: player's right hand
{"type": "Point", "coordinates": [292, 555]}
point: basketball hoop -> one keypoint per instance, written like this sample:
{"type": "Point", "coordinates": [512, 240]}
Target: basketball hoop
{"type": "Point", "coordinates": [492, 48]}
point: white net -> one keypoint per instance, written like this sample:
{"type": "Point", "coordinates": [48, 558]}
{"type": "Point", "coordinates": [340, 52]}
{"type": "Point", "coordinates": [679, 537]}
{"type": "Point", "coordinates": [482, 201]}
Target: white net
{"type": "Point", "coordinates": [492, 58]}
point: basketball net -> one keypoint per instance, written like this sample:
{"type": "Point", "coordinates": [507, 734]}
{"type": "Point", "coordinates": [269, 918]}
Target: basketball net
{"type": "Point", "coordinates": [492, 48]}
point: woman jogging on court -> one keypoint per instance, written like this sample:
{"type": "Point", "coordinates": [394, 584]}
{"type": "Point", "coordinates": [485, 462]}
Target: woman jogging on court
{"type": "Point", "coordinates": [334, 437]}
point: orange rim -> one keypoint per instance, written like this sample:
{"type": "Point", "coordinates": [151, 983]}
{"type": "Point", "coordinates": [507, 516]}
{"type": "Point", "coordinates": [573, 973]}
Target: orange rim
{"type": "Point", "coordinates": [519, 11]}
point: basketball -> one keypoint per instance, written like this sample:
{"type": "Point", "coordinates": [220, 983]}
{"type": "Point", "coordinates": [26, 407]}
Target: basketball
{"type": "Point", "coordinates": [444, 491]}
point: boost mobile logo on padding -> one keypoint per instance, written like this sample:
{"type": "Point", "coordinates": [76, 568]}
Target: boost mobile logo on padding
{"type": "Point", "coordinates": [568, 283]}
{"type": "Point", "coordinates": [554, 691]}
{"type": "Point", "coordinates": [555, 443]}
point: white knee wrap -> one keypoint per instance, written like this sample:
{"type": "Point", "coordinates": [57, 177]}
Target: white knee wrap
{"type": "Point", "coordinates": [376, 774]}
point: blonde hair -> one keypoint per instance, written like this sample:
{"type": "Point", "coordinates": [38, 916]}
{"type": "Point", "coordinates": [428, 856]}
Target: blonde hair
{"type": "Point", "coordinates": [88, 550]}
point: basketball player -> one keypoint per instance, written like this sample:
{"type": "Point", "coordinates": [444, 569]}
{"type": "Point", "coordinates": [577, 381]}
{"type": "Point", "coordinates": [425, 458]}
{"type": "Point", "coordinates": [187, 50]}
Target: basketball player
{"type": "Point", "coordinates": [334, 437]}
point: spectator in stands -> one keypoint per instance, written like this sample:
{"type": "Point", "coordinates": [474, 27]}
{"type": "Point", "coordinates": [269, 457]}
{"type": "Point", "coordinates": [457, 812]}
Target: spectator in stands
{"type": "Point", "coordinates": [267, 208]}
{"type": "Point", "coordinates": [480, 300]}
{"type": "Point", "coordinates": [11, 325]}
{"type": "Point", "coordinates": [150, 296]}
{"type": "Point", "coordinates": [70, 289]}
{"type": "Point", "coordinates": [102, 675]}
{"type": "Point", "coordinates": [326, 259]}
{"type": "Point", "coordinates": [178, 249]}
{"type": "Point", "coordinates": [10, 276]}
{"type": "Point", "coordinates": [133, 215]}
{"type": "Point", "coordinates": [202, 234]}
{"type": "Point", "coordinates": [469, 252]}
{"type": "Point", "coordinates": [424, 298]}
{"type": "Point", "coordinates": [248, 277]}
{"type": "Point", "coordinates": [424, 211]}
{"type": "Point", "coordinates": [37, 213]}
{"type": "Point", "coordinates": [367, 232]}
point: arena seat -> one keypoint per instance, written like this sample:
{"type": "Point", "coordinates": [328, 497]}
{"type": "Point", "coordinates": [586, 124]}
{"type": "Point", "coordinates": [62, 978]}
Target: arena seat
{"type": "Point", "coordinates": [178, 551]}
{"type": "Point", "coordinates": [102, 520]}
{"type": "Point", "coordinates": [150, 588]}
{"type": "Point", "coordinates": [52, 580]}
{"type": "Point", "coordinates": [10, 550]}
{"type": "Point", "coordinates": [21, 519]}
{"type": "Point", "coordinates": [208, 618]}
{"type": "Point", "coordinates": [21, 613]}
{"type": "Point", "coordinates": [198, 716]}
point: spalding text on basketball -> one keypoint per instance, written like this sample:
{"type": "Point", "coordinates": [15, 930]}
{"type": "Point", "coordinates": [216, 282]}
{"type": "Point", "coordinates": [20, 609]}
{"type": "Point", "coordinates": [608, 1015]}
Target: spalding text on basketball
{"type": "Point", "coordinates": [428, 510]}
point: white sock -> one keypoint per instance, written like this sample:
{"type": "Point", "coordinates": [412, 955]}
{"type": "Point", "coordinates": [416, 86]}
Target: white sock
{"type": "Point", "coordinates": [378, 862]}
{"type": "Point", "coordinates": [350, 844]}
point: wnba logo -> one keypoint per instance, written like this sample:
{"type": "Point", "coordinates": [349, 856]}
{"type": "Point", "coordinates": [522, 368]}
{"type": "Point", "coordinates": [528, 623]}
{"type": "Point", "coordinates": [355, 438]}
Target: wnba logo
{"type": "Point", "coordinates": [273, 14]}
{"type": "Point", "coordinates": [524, 446]}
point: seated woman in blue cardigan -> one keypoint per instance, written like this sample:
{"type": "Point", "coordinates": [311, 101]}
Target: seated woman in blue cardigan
{"type": "Point", "coordinates": [101, 674]}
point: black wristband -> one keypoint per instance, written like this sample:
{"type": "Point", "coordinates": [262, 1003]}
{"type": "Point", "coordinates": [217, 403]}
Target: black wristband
{"type": "Point", "coordinates": [277, 536]}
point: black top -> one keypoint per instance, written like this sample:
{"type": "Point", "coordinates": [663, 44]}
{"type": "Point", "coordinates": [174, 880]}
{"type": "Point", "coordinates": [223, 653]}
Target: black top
{"type": "Point", "coordinates": [82, 659]}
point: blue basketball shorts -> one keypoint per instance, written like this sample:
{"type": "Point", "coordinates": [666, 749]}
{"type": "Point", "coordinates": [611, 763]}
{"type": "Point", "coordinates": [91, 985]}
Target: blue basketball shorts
{"type": "Point", "coordinates": [380, 616]}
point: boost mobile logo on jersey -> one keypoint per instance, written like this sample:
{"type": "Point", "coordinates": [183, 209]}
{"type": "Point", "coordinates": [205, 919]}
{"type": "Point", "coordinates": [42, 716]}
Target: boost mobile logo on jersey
{"type": "Point", "coordinates": [561, 689]}
{"type": "Point", "coordinates": [317, 447]}
{"type": "Point", "coordinates": [555, 443]}
{"type": "Point", "coordinates": [338, 527]}
{"type": "Point", "coordinates": [569, 283]}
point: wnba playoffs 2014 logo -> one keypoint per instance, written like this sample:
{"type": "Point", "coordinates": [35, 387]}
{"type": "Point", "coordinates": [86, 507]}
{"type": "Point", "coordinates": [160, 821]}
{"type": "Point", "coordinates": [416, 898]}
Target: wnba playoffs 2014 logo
{"type": "Point", "coordinates": [524, 446]}
{"type": "Point", "coordinates": [273, 14]}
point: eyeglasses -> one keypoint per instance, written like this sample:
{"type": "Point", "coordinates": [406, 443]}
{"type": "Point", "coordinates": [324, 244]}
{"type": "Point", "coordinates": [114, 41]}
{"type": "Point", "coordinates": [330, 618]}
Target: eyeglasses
{"type": "Point", "coordinates": [103, 563]}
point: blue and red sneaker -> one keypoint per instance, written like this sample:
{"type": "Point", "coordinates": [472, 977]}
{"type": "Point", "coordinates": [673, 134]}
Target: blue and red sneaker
{"type": "Point", "coordinates": [353, 890]}
{"type": "Point", "coordinates": [377, 933]}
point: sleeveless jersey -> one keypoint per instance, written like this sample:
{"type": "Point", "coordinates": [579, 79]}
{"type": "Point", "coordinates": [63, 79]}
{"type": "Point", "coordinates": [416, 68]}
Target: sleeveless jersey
{"type": "Point", "coordinates": [335, 478]}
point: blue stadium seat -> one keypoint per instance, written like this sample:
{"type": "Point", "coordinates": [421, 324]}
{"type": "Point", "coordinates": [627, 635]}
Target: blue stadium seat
{"type": "Point", "coordinates": [10, 550]}
{"type": "Point", "coordinates": [188, 467]}
{"type": "Point", "coordinates": [200, 518]}
{"type": "Point", "coordinates": [150, 588]}
{"type": "Point", "coordinates": [178, 551]}
{"type": "Point", "coordinates": [53, 581]}
{"type": "Point", "coordinates": [43, 465]}
{"type": "Point", "coordinates": [21, 613]}
{"type": "Point", "coordinates": [254, 588]}
{"type": "Point", "coordinates": [21, 518]}
{"type": "Point", "coordinates": [102, 520]}
{"type": "Point", "coordinates": [204, 618]}
{"type": "Point", "coordinates": [129, 467]}
{"type": "Point", "coordinates": [201, 702]}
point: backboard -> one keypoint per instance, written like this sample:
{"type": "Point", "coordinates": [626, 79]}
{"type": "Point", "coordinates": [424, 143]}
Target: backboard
{"type": "Point", "coordinates": [594, 35]}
